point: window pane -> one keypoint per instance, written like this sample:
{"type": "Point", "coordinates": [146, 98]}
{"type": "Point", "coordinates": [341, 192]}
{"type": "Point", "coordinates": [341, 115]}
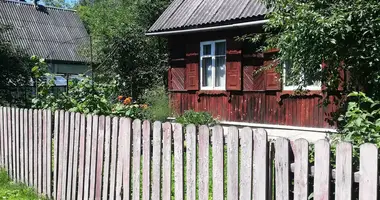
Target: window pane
{"type": "Point", "coordinates": [207, 49]}
{"type": "Point", "coordinates": [206, 72]}
{"type": "Point", "coordinates": [220, 48]}
{"type": "Point", "coordinates": [220, 71]}
{"type": "Point", "coordinates": [289, 77]}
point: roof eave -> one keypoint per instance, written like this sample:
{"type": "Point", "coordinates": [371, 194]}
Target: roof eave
{"type": "Point", "coordinates": [204, 29]}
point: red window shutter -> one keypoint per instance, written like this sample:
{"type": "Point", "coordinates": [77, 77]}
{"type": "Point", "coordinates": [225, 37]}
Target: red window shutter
{"type": "Point", "coordinates": [177, 78]}
{"type": "Point", "coordinates": [233, 65]}
{"type": "Point", "coordinates": [272, 78]}
{"type": "Point", "coordinates": [192, 66]}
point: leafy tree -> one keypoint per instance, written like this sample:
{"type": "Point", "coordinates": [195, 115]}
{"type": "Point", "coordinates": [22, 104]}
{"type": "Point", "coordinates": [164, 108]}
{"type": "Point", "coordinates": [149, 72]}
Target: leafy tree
{"type": "Point", "coordinates": [14, 71]}
{"type": "Point", "coordinates": [340, 34]}
{"type": "Point", "coordinates": [119, 44]}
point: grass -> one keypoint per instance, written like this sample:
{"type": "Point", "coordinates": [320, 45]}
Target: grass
{"type": "Point", "coordinates": [10, 190]}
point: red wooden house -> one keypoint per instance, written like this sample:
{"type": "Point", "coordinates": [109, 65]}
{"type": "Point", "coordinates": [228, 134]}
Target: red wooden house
{"type": "Point", "coordinates": [211, 71]}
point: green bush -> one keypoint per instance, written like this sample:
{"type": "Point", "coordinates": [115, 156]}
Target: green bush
{"type": "Point", "coordinates": [157, 100]}
{"type": "Point", "coordinates": [196, 118]}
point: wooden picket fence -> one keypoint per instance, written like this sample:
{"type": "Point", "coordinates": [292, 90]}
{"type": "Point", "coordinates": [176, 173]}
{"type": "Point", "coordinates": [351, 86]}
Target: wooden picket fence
{"type": "Point", "coordinates": [79, 156]}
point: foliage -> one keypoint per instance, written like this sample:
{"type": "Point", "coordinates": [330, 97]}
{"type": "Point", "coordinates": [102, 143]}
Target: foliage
{"type": "Point", "coordinates": [14, 70]}
{"type": "Point", "coordinates": [196, 118]}
{"type": "Point", "coordinates": [341, 34]}
{"type": "Point", "coordinates": [118, 36]}
{"type": "Point", "coordinates": [362, 122]}
{"type": "Point", "coordinates": [158, 100]}
{"type": "Point", "coordinates": [15, 191]}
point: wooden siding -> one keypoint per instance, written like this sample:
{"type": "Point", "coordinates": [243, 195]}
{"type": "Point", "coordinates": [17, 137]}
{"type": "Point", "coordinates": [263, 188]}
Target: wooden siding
{"type": "Point", "coordinates": [257, 107]}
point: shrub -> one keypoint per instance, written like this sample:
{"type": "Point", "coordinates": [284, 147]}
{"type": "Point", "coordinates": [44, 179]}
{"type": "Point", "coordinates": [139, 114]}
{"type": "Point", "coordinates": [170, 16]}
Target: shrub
{"type": "Point", "coordinates": [158, 101]}
{"type": "Point", "coordinates": [196, 118]}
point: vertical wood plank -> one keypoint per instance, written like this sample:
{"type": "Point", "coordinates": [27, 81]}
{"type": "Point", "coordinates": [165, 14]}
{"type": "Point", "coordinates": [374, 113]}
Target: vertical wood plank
{"type": "Point", "coordinates": [114, 146]}
{"type": "Point", "coordinates": [246, 143]}
{"type": "Point", "coordinates": [10, 142]}
{"type": "Point", "coordinates": [166, 161]}
{"type": "Point", "coordinates": [22, 153]}
{"type": "Point", "coordinates": [44, 152]}
{"type": "Point", "coordinates": [178, 161]}
{"type": "Point", "coordinates": [39, 152]}
{"type": "Point", "coordinates": [191, 160]}
{"type": "Point", "coordinates": [94, 146]}
{"type": "Point", "coordinates": [64, 162]}
{"type": "Point", "coordinates": [74, 187]}
{"type": "Point", "coordinates": [57, 147]}
{"type": "Point", "coordinates": [2, 137]}
{"type": "Point", "coordinates": [146, 160]}
{"type": "Point", "coordinates": [82, 156]}
{"type": "Point", "coordinates": [26, 147]}
{"type": "Point", "coordinates": [6, 138]}
{"type": "Point", "coordinates": [17, 146]}
{"type": "Point", "coordinates": [107, 152]}
{"type": "Point", "coordinates": [125, 132]}
{"type": "Point", "coordinates": [282, 169]}
{"type": "Point", "coordinates": [322, 170]}
{"type": "Point", "coordinates": [156, 168]}
{"type": "Point", "coordinates": [232, 163]}
{"type": "Point", "coordinates": [218, 162]}
{"type": "Point", "coordinates": [301, 172]}
{"type": "Point", "coordinates": [136, 138]}
{"type": "Point", "coordinates": [49, 151]}
{"type": "Point", "coordinates": [99, 160]}
{"type": "Point", "coordinates": [35, 148]}
{"type": "Point", "coordinates": [30, 143]}
{"type": "Point", "coordinates": [368, 184]}
{"type": "Point", "coordinates": [343, 174]}
{"type": "Point", "coordinates": [89, 136]}
{"type": "Point", "coordinates": [204, 154]}
{"type": "Point", "coordinates": [70, 155]}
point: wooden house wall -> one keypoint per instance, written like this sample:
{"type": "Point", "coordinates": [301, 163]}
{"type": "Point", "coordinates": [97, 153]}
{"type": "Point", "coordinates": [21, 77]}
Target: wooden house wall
{"type": "Point", "coordinates": [258, 100]}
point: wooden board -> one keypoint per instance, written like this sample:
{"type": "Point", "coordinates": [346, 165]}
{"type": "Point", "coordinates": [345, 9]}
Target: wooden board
{"type": "Point", "coordinates": [282, 169]}
{"type": "Point", "coordinates": [146, 160]}
{"type": "Point", "coordinates": [203, 162]}
{"type": "Point", "coordinates": [322, 170]}
{"type": "Point", "coordinates": [343, 176]}
{"type": "Point", "coordinates": [232, 163]}
{"type": "Point", "coordinates": [156, 161]}
{"type": "Point", "coordinates": [166, 161]}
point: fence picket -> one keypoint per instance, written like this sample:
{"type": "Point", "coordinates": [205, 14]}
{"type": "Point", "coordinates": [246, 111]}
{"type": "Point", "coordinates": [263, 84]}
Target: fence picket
{"type": "Point", "coordinates": [114, 145]}
{"type": "Point", "coordinates": [6, 138]}
{"type": "Point", "coordinates": [301, 173]}
{"type": "Point", "coordinates": [30, 144]}
{"type": "Point", "coordinates": [260, 163]}
{"type": "Point", "coordinates": [26, 147]}
{"type": "Point", "coordinates": [39, 153]}
{"type": "Point", "coordinates": [10, 143]}
{"type": "Point", "coordinates": [146, 160]}
{"type": "Point", "coordinates": [35, 149]}
{"type": "Point", "coordinates": [246, 163]}
{"type": "Point", "coordinates": [178, 161]}
{"type": "Point", "coordinates": [56, 150]}
{"type": "Point", "coordinates": [82, 156]}
{"type": "Point", "coordinates": [1, 137]}
{"type": "Point", "coordinates": [282, 168]}
{"type": "Point", "coordinates": [136, 156]}
{"type": "Point", "coordinates": [17, 145]}
{"type": "Point", "coordinates": [156, 162]}
{"type": "Point", "coordinates": [94, 147]}
{"type": "Point", "coordinates": [99, 159]}
{"type": "Point", "coordinates": [44, 151]}
{"type": "Point", "coordinates": [166, 161]}
{"type": "Point", "coordinates": [70, 155]}
{"type": "Point", "coordinates": [107, 151]}
{"type": "Point", "coordinates": [204, 155]}
{"type": "Point", "coordinates": [76, 134]}
{"type": "Point", "coordinates": [126, 136]}
{"type": "Point", "coordinates": [21, 147]}
{"type": "Point", "coordinates": [48, 153]}
{"type": "Point", "coordinates": [232, 163]}
{"type": "Point", "coordinates": [218, 162]}
{"type": "Point", "coordinates": [89, 136]}
{"type": "Point", "coordinates": [322, 170]}
{"type": "Point", "coordinates": [66, 136]}
{"type": "Point", "coordinates": [343, 176]}
{"type": "Point", "coordinates": [368, 184]}
{"type": "Point", "coordinates": [14, 141]}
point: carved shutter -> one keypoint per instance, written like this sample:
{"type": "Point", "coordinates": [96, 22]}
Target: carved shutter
{"type": "Point", "coordinates": [272, 78]}
{"type": "Point", "coordinates": [234, 65]}
{"type": "Point", "coordinates": [192, 66]}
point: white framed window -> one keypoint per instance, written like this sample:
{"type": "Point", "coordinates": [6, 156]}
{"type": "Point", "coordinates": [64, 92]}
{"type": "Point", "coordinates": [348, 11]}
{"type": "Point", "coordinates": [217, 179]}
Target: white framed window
{"type": "Point", "coordinates": [288, 82]}
{"type": "Point", "coordinates": [213, 65]}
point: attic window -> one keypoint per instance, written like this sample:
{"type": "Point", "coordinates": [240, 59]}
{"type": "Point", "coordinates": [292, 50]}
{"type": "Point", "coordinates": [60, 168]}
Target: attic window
{"type": "Point", "coordinates": [213, 65]}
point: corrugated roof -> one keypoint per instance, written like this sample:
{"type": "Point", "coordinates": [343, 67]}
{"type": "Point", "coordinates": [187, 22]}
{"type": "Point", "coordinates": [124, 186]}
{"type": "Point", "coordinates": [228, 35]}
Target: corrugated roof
{"type": "Point", "coordinates": [52, 33]}
{"type": "Point", "coordinates": [183, 14]}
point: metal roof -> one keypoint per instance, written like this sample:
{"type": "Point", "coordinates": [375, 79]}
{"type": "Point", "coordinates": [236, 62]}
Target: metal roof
{"type": "Point", "coordinates": [185, 14]}
{"type": "Point", "coordinates": [51, 33]}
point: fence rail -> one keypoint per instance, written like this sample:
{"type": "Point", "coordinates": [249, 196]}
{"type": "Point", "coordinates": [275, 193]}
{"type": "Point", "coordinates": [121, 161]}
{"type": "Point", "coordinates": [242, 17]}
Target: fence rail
{"type": "Point", "coordinates": [77, 156]}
